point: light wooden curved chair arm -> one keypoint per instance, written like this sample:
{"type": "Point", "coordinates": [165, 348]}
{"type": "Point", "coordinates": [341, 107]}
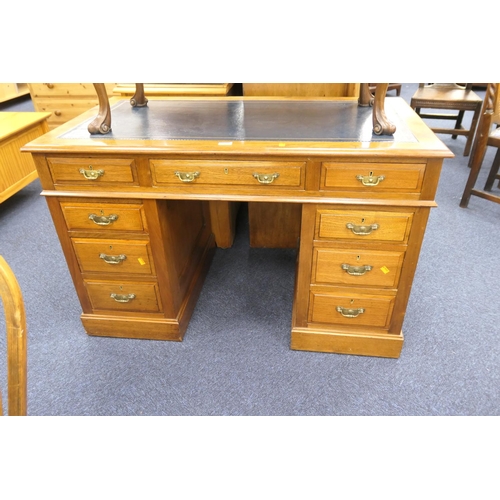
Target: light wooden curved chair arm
{"type": "Point", "coordinates": [15, 319]}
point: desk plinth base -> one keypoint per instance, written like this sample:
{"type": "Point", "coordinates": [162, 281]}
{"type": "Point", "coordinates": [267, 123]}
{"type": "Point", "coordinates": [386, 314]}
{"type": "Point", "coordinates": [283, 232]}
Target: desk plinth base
{"type": "Point", "coordinates": [374, 344]}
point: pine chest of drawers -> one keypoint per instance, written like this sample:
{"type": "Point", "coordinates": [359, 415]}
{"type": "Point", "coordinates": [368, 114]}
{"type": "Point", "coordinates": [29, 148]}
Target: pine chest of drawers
{"type": "Point", "coordinates": [132, 211]}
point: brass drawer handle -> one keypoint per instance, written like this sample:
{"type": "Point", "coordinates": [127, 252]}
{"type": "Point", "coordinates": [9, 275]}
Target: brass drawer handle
{"type": "Point", "coordinates": [370, 180]}
{"type": "Point", "coordinates": [356, 270]}
{"type": "Point", "coordinates": [266, 178]}
{"type": "Point", "coordinates": [103, 220]}
{"type": "Point", "coordinates": [112, 259]}
{"type": "Point", "coordinates": [123, 298]}
{"type": "Point", "coordinates": [91, 174]}
{"type": "Point", "coordinates": [350, 313]}
{"type": "Point", "coordinates": [187, 176]}
{"type": "Point", "coordinates": [361, 230]}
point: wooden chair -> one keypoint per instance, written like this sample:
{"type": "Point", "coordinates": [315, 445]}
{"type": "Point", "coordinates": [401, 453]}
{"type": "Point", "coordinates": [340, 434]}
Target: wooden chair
{"type": "Point", "coordinates": [451, 97]}
{"type": "Point", "coordinates": [15, 319]}
{"type": "Point", "coordinates": [488, 134]}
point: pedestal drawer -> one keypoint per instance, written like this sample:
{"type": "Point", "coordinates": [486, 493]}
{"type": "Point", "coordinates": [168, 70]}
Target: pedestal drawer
{"type": "Point", "coordinates": [124, 296]}
{"type": "Point", "coordinates": [113, 256]}
{"type": "Point", "coordinates": [104, 216]}
{"type": "Point", "coordinates": [229, 173]}
{"type": "Point", "coordinates": [352, 309]}
{"type": "Point", "coordinates": [363, 225]}
{"type": "Point", "coordinates": [361, 268]}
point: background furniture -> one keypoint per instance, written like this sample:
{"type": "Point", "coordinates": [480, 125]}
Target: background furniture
{"type": "Point", "coordinates": [178, 89]}
{"type": "Point", "coordinates": [12, 90]}
{"type": "Point", "coordinates": [451, 97]}
{"type": "Point", "coordinates": [17, 169]}
{"type": "Point", "coordinates": [134, 222]}
{"type": "Point", "coordinates": [15, 320]}
{"type": "Point", "coordinates": [64, 100]}
{"type": "Point", "coordinates": [488, 134]}
{"type": "Point", "coordinates": [301, 89]}
{"type": "Point", "coordinates": [392, 86]}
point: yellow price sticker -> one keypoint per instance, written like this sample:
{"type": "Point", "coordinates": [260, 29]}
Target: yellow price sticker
{"type": "Point", "coordinates": [141, 261]}
{"type": "Point", "coordinates": [384, 270]}
{"type": "Point", "coordinates": [281, 144]}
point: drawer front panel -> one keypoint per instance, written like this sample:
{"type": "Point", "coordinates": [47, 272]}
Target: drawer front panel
{"type": "Point", "coordinates": [363, 225]}
{"type": "Point", "coordinates": [373, 177]}
{"type": "Point", "coordinates": [263, 174]}
{"type": "Point", "coordinates": [363, 268]}
{"type": "Point", "coordinates": [123, 296]}
{"type": "Point", "coordinates": [355, 310]}
{"type": "Point", "coordinates": [104, 216]}
{"type": "Point", "coordinates": [113, 256]}
{"type": "Point", "coordinates": [93, 171]}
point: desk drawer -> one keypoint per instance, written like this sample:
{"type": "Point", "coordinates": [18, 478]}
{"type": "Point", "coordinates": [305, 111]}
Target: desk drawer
{"type": "Point", "coordinates": [92, 172]}
{"type": "Point", "coordinates": [351, 309]}
{"type": "Point", "coordinates": [363, 225]}
{"type": "Point", "coordinates": [264, 174]}
{"type": "Point", "coordinates": [124, 296]}
{"type": "Point", "coordinates": [363, 268]}
{"type": "Point", "coordinates": [104, 216]}
{"type": "Point", "coordinates": [372, 177]}
{"type": "Point", "coordinates": [113, 256]}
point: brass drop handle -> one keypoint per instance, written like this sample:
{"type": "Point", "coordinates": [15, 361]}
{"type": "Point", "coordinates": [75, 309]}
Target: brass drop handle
{"type": "Point", "coordinates": [112, 259]}
{"type": "Point", "coordinates": [123, 298]}
{"type": "Point", "coordinates": [103, 220]}
{"type": "Point", "coordinates": [356, 270]}
{"type": "Point", "coordinates": [187, 176]}
{"type": "Point", "coordinates": [370, 180]}
{"type": "Point", "coordinates": [361, 230]}
{"type": "Point", "coordinates": [266, 178]}
{"type": "Point", "coordinates": [350, 313]}
{"type": "Point", "coordinates": [91, 174]}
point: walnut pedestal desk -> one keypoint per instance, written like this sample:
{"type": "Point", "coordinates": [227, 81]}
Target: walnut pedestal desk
{"type": "Point", "coordinates": [131, 209]}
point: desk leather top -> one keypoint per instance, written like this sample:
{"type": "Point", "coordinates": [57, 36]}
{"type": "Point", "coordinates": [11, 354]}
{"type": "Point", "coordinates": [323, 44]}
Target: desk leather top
{"type": "Point", "coordinates": [244, 120]}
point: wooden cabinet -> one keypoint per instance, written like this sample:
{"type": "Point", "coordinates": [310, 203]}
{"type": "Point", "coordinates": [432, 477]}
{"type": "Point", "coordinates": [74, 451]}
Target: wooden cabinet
{"type": "Point", "coordinates": [134, 220]}
{"type": "Point", "coordinates": [64, 101]}
{"type": "Point", "coordinates": [10, 91]}
{"type": "Point", "coordinates": [17, 169]}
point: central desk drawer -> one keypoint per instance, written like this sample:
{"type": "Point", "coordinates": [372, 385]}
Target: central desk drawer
{"type": "Point", "coordinates": [113, 256]}
{"type": "Point", "coordinates": [128, 296]}
{"type": "Point", "coordinates": [363, 225]}
{"type": "Point", "coordinates": [228, 173]}
{"type": "Point", "coordinates": [104, 216]}
{"type": "Point", "coordinates": [92, 172]}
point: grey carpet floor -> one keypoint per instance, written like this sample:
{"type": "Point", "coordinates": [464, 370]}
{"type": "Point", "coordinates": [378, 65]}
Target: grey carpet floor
{"type": "Point", "coordinates": [235, 358]}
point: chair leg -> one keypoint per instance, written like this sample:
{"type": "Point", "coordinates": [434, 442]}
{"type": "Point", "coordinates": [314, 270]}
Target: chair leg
{"type": "Point", "coordinates": [472, 131]}
{"type": "Point", "coordinates": [458, 123]}
{"type": "Point", "coordinates": [477, 161]}
{"type": "Point", "coordinates": [493, 172]}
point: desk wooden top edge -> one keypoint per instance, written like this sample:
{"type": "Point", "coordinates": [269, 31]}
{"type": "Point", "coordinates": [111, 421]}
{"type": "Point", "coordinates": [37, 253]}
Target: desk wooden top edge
{"type": "Point", "coordinates": [427, 144]}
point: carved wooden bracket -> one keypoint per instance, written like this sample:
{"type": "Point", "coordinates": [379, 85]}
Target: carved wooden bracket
{"type": "Point", "coordinates": [102, 122]}
{"type": "Point", "coordinates": [381, 124]}
{"type": "Point", "coordinates": [139, 99]}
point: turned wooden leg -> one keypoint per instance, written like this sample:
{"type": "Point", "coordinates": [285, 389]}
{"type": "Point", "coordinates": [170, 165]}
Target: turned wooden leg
{"type": "Point", "coordinates": [139, 99]}
{"type": "Point", "coordinates": [381, 125]}
{"type": "Point", "coordinates": [102, 122]}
